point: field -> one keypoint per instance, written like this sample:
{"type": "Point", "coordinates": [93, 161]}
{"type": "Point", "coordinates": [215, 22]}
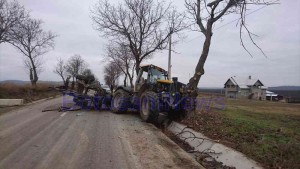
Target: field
{"type": "Point", "coordinates": [25, 91]}
{"type": "Point", "coordinates": [268, 132]}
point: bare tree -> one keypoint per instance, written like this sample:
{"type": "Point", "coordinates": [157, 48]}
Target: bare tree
{"type": "Point", "coordinates": [205, 13]}
{"type": "Point", "coordinates": [75, 65]}
{"type": "Point", "coordinates": [60, 69]}
{"type": "Point", "coordinates": [11, 15]}
{"type": "Point", "coordinates": [38, 65]}
{"type": "Point", "coordinates": [120, 55]}
{"type": "Point", "coordinates": [145, 25]}
{"type": "Point", "coordinates": [33, 42]}
{"type": "Point", "coordinates": [111, 75]}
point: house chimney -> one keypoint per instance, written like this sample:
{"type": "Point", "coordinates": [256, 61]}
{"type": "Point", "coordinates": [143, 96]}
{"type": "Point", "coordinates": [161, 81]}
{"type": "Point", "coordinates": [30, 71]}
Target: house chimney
{"type": "Point", "coordinates": [249, 77]}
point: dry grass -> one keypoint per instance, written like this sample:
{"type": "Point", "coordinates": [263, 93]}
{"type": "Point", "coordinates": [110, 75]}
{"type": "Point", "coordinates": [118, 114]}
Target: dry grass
{"type": "Point", "coordinates": [26, 92]}
{"type": "Point", "coordinates": [266, 131]}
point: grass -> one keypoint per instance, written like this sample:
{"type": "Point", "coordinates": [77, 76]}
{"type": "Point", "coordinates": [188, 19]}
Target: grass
{"type": "Point", "coordinates": [268, 132]}
{"type": "Point", "coordinates": [26, 92]}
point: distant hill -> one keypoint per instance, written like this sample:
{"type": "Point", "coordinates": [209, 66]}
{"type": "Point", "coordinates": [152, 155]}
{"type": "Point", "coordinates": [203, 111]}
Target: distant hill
{"type": "Point", "coordinates": [294, 88]}
{"type": "Point", "coordinates": [17, 82]}
{"type": "Point", "coordinates": [285, 91]}
{"type": "Point", "coordinates": [21, 82]}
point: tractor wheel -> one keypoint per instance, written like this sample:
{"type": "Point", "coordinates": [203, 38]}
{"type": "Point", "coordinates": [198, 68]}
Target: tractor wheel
{"type": "Point", "coordinates": [186, 110]}
{"type": "Point", "coordinates": [120, 101]}
{"type": "Point", "coordinates": [149, 107]}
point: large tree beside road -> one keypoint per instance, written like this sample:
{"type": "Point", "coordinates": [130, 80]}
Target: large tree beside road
{"type": "Point", "coordinates": [32, 41]}
{"type": "Point", "coordinates": [143, 25]}
{"type": "Point", "coordinates": [12, 14]}
{"type": "Point", "coordinates": [204, 15]}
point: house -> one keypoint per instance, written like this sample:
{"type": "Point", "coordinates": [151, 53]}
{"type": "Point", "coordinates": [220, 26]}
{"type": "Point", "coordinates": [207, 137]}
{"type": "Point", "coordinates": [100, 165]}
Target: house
{"type": "Point", "coordinates": [236, 87]}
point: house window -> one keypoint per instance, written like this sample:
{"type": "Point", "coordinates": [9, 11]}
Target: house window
{"type": "Point", "coordinates": [232, 86]}
{"type": "Point", "coordinates": [227, 86]}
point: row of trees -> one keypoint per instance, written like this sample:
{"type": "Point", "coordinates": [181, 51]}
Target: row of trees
{"type": "Point", "coordinates": [25, 33]}
{"type": "Point", "coordinates": [136, 29]}
{"type": "Point", "coordinates": [73, 66]}
{"type": "Point", "coordinates": [139, 28]}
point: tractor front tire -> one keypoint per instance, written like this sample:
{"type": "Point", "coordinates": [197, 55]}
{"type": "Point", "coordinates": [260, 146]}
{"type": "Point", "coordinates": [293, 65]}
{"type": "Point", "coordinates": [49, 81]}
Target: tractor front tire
{"type": "Point", "coordinates": [186, 110]}
{"type": "Point", "coordinates": [149, 107]}
{"type": "Point", "coordinates": [120, 101]}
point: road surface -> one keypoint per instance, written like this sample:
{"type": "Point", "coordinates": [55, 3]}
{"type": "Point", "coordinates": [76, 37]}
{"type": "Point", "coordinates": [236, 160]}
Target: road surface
{"type": "Point", "coordinates": [30, 138]}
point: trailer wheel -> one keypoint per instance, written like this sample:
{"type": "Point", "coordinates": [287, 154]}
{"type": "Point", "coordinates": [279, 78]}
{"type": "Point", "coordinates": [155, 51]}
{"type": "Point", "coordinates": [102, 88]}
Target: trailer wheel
{"type": "Point", "coordinates": [149, 107]}
{"type": "Point", "coordinates": [120, 101]}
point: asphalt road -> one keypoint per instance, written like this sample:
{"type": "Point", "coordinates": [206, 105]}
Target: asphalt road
{"type": "Point", "coordinates": [30, 138]}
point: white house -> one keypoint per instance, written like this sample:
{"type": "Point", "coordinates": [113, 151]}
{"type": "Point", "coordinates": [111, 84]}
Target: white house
{"type": "Point", "coordinates": [236, 87]}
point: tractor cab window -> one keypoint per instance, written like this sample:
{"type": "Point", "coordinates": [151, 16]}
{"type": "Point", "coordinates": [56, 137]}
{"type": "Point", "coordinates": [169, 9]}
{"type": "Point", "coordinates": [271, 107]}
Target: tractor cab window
{"type": "Point", "coordinates": [157, 75]}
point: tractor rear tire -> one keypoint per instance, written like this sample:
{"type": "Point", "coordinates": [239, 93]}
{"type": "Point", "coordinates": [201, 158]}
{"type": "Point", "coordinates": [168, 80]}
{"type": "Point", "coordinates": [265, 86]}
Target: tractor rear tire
{"type": "Point", "coordinates": [120, 101]}
{"type": "Point", "coordinates": [149, 107]}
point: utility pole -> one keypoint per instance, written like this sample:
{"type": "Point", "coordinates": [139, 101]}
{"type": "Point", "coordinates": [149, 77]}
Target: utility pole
{"type": "Point", "coordinates": [170, 49]}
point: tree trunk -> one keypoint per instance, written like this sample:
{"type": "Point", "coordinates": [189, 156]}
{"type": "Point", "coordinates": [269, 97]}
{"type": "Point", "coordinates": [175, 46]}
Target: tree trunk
{"type": "Point", "coordinates": [137, 67]}
{"type": "Point", "coordinates": [199, 71]}
{"type": "Point", "coordinates": [33, 84]}
{"type": "Point", "coordinates": [130, 76]}
{"type": "Point", "coordinates": [131, 81]}
{"type": "Point", "coordinates": [64, 81]}
{"type": "Point", "coordinates": [35, 76]}
{"type": "Point", "coordinates": [125, 80]}
{"type": "Point", "coordinates": [73, 83]}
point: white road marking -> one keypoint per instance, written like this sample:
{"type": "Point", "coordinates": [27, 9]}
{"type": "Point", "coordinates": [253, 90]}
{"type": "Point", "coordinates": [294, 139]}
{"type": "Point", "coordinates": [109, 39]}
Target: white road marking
{"type": "Point", "coordinates": [62, 115]}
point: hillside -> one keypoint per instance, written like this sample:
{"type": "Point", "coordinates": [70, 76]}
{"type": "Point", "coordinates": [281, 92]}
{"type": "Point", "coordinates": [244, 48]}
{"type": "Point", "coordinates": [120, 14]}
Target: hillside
{"type": "Point", "coordinates": [293, 88]}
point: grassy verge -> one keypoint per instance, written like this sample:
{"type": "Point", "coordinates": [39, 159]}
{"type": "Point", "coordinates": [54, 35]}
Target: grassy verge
{"type": "Point", "coordinates": [26, 92]}
{"type": "Point", "coordinates": [268, 132]}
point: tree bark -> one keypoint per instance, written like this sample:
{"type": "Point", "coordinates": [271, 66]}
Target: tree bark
{"type": "Point", "coordinates": [131, 81]}
{"type": "Point", "coordinates": [35, 76]}
{"type": "Point", "coordinates": [73, 83]}
{"type": "Point", "coordinates": [64, 81]}
{"type": "Point", "coordinates": [199, 71]}
{"type": "Point", "coordinates": [137, 67]}
{"type": "Point", "coordinates": [125, 80]}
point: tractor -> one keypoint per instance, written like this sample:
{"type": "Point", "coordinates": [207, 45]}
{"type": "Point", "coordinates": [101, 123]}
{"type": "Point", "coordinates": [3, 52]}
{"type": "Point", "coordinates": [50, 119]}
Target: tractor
{"type": "Point", "coordinates": [152, 95]}
{"type": "Point", "coordinates": [90, 94]}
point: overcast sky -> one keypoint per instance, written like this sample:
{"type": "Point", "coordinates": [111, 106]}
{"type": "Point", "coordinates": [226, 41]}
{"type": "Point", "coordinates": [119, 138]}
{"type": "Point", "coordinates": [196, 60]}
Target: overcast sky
{"type": "Point", "coordinates": [278, 28]}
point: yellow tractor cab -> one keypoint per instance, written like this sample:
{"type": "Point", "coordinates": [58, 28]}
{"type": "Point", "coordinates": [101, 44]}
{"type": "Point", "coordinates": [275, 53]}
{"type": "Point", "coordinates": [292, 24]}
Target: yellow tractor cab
{"type": "Point", "coordinates": [151, 74]}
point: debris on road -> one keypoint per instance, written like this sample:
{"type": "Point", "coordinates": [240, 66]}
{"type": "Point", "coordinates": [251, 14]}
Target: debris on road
{"type": "Point", "coordinates": [62, 109]}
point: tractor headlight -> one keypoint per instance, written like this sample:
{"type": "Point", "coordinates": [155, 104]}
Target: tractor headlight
{"type": "Point", "coordinates": [173, 94]}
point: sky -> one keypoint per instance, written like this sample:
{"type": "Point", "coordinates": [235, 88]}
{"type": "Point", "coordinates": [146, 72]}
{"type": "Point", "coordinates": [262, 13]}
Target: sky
{"type": "Point", "coordinates": [277, 27]}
